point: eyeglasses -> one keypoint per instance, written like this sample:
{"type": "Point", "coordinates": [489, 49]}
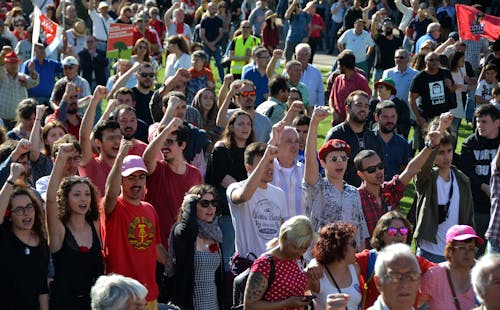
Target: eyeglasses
{"type": "Point", "coordinates": [372, 169]}
{"type": "Point", "coordinates": [204, 203]}
{"type": "Point", "coordinates": [397, 277]}
{"type": "Point", "coordinates": [170, 141]}
{"type": "Point", "coordinates": [392, 231]}
{"type": "Point", "coordinates": [145, 75]}
{"type": "Point", "coordinates": [23, 210]}
{"type": "Point", "coordinates": [245, 94]}
{"type": "Point", "coordinates": [67, 67]}
{"type": "Point", "coordinates": [339, 159]}
{"type": "Point", "coordinates": [466, 249]}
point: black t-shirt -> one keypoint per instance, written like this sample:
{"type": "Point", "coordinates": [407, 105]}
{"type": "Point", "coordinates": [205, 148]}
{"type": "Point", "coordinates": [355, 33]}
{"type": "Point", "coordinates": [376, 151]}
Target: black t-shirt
{"type": "Point", "coordinates": [24, 276]}
{"type": "Point", "coordinates": [385, 51]}
{"type": "Point", "coordinates": [212, 27]}
{"type": "Point", "coordinates": [142, 105]}
{"type": "Point", "coordinates": [434, 95]}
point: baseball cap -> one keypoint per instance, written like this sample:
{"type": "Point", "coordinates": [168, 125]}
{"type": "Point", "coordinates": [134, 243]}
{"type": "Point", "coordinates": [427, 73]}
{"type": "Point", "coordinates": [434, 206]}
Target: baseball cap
{"type": "Point", "coordinates": [454, 35]}
{"type": "Point", "coordinates": [388, 82]}
{"type": "Point", "coordinates": [334, 145]}
{"type": "Point", "coordinates": [11, 57]}
{"type": "Point", "coordinates": [131, 164]}
{"type": "Point", "coordinates": [69, 61]}
{"type": "Point", "coordinates": [461, 233]}
{"type": "Point", "coordinates": [103, 4]}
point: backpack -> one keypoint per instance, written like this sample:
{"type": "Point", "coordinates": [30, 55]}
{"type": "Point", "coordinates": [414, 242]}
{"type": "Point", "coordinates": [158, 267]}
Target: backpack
{"type": "Point", "coordinates": [240, 283]}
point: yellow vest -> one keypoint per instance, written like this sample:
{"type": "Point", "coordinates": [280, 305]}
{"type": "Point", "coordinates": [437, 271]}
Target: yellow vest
{"type": "Point", "coordinates": [240, 49]}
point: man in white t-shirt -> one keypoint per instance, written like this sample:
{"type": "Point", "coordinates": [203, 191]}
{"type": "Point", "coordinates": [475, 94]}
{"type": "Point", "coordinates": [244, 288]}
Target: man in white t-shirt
{"type": "Point", "coordinates": [257, 207]}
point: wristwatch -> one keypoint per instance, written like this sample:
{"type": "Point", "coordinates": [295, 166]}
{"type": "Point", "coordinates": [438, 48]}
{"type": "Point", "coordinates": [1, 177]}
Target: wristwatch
{"type": "Point", "coordinates": [430, 145]}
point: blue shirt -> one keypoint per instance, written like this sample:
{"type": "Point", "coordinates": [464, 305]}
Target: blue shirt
{"type": "Point", "coordinates": [48, 71]}
{"type": "Point", "coordinates": [298, 27]}
{"type": "Point", "coordinates": [402, 80]}
{"type": "Point", "coordinates": [260, 81]}
{"type": "Point", "coordinates": [422, 39]}
{"type": "Point", "coordinates": [397, 154]}
{"type": "Point", "coordinates": [312, 78]}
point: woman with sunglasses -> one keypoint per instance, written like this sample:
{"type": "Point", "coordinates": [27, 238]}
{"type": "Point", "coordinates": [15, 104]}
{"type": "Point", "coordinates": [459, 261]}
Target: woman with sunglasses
{"type": "Point", "coordinates": [335, 252]}
{"type": "Point", "coordinates": [74, 242]}
{"type": "Point", "coordinates": [25, 254]}
{"type": "Point", "coordinates": [195, 267]}
{"type": "Point", "coordinates": [448, 285]}
{"type": "Point", "coordinates": [391, 228]}
{"type": "Point", "coordinates": [226, 166]}
{"type": "Point", "coordinates": [141, 53]}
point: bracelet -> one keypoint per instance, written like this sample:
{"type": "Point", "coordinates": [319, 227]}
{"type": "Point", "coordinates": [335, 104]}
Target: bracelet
{"type": "Point", "coordinates": [10, 182]}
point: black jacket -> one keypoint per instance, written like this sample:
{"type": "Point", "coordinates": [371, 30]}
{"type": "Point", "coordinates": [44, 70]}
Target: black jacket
{"type": "Point", "coordinates": [97, 64]}
{"type": "Point", "coordinates": [344, 132]}
{"type": "Point", "coordinates": [184, 243]}
{"type": "Point", "coordinates": [475, 160]}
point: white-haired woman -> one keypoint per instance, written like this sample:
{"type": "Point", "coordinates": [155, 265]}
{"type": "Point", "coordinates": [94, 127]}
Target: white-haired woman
{"type": "Point", "coordinates": [289, 281]}
{"type": "Point", "coordinates": [485, 278]}
{"type": "Point", "coordinates": [115, 291]}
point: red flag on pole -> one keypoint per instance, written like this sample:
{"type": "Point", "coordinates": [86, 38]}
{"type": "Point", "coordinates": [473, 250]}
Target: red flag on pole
{"type": "Point", "coordinates": [473, 24]}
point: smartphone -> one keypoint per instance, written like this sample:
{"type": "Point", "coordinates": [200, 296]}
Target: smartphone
{"type": "Point", "coordinates": [308, 297]}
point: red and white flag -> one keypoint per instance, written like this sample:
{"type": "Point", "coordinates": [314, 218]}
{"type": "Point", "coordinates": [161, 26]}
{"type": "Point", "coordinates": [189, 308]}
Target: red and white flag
{"type": "Point", "coordinates": [47, 30]}
{"type": "Point", "coordinates": [473, 24]}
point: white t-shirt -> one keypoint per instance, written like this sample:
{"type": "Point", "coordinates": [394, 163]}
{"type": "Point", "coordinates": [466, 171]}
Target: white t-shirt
{"type": "Point", "coordinates": [443, 189]}
{"type": "Point", "coordinates": [358, 44]}
{"type": "Point", "coordinates": [327, 287]}
{"type": "Point", "coordinates": [483, 89]}
{"type": "Point", "coordinates": [258, 220]}
{"type": "Point", "coordinates": [173, 64]}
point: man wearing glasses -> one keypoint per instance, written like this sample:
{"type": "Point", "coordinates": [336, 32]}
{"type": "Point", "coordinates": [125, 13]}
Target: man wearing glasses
{"type": "Point", "coordinates": [401, 74]}
{"type": "Point", "coordinates": [434, 90]}
{"type": "Point", "coordinates": [71, 67]}
{"type": "Point", "coordinates": [240, 49]}
{"type": "Point", "coordinates": [142, 92]}
{"type": "Point", "coordinates": [379, 196]}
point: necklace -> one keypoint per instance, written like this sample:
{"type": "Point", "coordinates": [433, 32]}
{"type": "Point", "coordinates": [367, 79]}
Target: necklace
{"type": "Point", "coordinates": [26, 248]}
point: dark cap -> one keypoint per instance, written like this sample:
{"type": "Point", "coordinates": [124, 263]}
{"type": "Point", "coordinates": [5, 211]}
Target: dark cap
{"type": "Point", "coordinates": [454, 35]}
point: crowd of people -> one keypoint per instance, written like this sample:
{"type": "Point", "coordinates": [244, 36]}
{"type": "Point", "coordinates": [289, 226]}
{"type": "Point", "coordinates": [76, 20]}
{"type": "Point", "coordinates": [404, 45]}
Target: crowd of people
{"type": "Point", "coordinates": [123, 190]}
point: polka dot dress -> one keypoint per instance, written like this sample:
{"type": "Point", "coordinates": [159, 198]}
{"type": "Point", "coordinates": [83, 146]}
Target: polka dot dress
{"type": "Point", "coordinates": [289, 279]}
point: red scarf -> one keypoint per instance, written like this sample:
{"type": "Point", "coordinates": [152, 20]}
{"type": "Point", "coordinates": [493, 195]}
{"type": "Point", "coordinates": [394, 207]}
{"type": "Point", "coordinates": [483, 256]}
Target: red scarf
{"type": "Point", "coordinates": [180, 27]}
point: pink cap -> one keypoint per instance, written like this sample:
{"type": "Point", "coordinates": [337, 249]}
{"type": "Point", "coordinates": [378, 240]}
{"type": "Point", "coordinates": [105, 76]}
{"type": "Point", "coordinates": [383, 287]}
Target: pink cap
{"type": "Point", "coordinates": [131, 164]}
{"type": "Point", "coordinates": [461, 233]}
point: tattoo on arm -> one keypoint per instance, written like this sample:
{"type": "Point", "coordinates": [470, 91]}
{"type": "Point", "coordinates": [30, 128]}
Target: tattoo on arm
{"type": "Point", "coordinates": [256, 287]}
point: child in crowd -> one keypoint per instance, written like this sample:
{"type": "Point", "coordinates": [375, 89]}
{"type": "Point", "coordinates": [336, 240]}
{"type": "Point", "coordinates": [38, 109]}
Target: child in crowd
{"type": "Point", "coordinates": [495, 100]}
{"type": "Point", "coordinates": [201, 76]}
{"type": "Point", "coordinates": [484, 87]}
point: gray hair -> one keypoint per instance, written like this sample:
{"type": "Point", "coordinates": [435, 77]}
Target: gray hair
{"type": "Point", "coordinates": [433, 26]}
{"type": "Point", "coordinates": [391, 253]}
{"type": "Point", "coordinates": [111, 292]}
{"type": "Point", "coordinates": [301, 46]}
{"type": "Point", "coordinates": [401, 51]}
{"type": "Point", "coordinates": [481, 272]}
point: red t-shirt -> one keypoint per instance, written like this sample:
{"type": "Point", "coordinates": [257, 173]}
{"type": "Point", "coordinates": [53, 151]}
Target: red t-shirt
{"type": "Point", "coordinates": [72, 129]}
{"type": "Point", "coordinates": [289, 279]}
{"type": "Point", "coordinates": [202, 72]}
{"type": "Point", "coordinates": [97, 171]}
{"type": "Point", "coordinates": [317, 20]}
{"type": "Point", "coordinates": [342, 87]}
{"type": "Point", "coordinates": [165, 191]}
{"type": "Point", "coordinates": [130, 239]}
{"type": "Point", "coordinates": [150, 36]}
{"type": "Point", "coordinates": [363, 258]}
{"type": "Point", "coordinates": [138, 148]}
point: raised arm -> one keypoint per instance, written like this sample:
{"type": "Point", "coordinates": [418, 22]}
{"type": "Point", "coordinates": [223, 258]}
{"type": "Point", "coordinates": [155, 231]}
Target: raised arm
{"type": "Point", "coordinates": [224, 89]}
{"type": "Point", "coordinates": [221, 120]}
{"type": "Point", "coordinates": [311, 169]}
{"type": "Point", "coordinates": [55, 226]}
{"type": "Point", "coordinates": [418, 161]}
{"type": "Point", "coordinates": [122, 80]}
{"type": "Point", "coordinates": [168, 13]}
{"type": "Point", "coordinates": [36, 133]}
{"type": "Point", "coordinates": [277, 54]}
{"type": "Point", "coordinates": [88, 123]}
{"type": "Point", "coordinates": [294, 110]}
{"type": "Point", "coordinates": [246, 192]}
{"type": "Point", "coordinates": [154, 147]}
{"type": "Point", "coordinates": [292, 8]}
{"type": "Point", "coordinates": [114, 180]}
{"type": "Point", "coordinates": [16, 170]}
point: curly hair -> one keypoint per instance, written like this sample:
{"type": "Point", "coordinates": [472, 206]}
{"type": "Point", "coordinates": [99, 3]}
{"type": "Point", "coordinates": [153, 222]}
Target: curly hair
{"type": "Point", "coordinates": [227, 135]}
{"type": "Point", "coordinates": [383, 223]}
{"type": "Point", "coordinates": [332, 242]}
{"type": "Point", "coordinates": [65, 188]}
{"type": "Point", "coordinates": [38, 224]}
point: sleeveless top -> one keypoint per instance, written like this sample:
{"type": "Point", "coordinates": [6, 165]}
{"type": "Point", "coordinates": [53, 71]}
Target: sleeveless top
{"type": "Point", "coordinates": [76, 271]}
{"type": "Point", "coordinates": [327, 287]}
{"type": "Point", "coordinates": [205, 290]}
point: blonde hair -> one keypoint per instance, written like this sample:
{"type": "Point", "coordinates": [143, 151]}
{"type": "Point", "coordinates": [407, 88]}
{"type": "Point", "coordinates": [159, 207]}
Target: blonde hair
{"type": "Point", "coordinates": [298, 230]}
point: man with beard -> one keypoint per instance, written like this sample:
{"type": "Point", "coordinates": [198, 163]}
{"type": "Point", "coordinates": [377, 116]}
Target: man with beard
{"type": "Point", "coordinates": [106, 136]}
{"type": "Point", "coordinates": [132, 239]}
{"type": "Point", "coordinates": [126, 116]}
{"type": "Point", "coordinates": [65, 98]}
{"type": "Point", "coordinates": [243, 92]}
{"type": "Point", "coordinates": [355, 133]}
{"type": "Point", "coordinates": [379, 196]}
{"type": "Point", "coordinates": [257, 207]}
{"type": "Point", "coordinates": [170, 178]}
{"type": "Point", "coordinates": [386, 45]}
{"type": "Point", "coordinates": [396, 149]}
{"type": "Point", "coordinates": [142, 91]}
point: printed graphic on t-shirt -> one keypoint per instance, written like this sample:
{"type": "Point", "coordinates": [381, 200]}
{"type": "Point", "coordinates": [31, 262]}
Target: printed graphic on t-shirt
{"type": "Point", "coordinates": [436, 91]}
{"type": "Point", "coordinates": [267, 218]}
{"type": "Point", "coordinates": [141, 233]}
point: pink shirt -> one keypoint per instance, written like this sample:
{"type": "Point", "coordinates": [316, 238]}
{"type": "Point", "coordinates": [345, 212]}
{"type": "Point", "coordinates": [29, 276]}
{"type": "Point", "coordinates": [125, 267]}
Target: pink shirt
{"type": "Point", "coordinates": [342, 87]}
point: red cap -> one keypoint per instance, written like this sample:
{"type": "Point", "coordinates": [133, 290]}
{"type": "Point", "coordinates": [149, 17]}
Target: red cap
{"type": "Point", "coordinates": [11, 57]}
{"type": "Point", "coordinates": [334, 145]}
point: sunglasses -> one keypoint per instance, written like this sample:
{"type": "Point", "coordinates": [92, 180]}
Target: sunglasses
{"type": "Point", "coordinates": [145, 75]}
{"type": "Point", "coordinates": [392, 231]}
{"type": "Point", "coordinates": [372, 169]}
{"type": "Point", "coordinates": [207, 203]}
{"type": "Point", "coordinates": [339, 159]}
{"type": "Point", "coordinates": [245, 94]}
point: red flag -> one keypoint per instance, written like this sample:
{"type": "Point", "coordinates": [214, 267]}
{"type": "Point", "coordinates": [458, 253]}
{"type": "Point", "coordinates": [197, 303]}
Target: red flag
{"type": "Point", "coordinates": [49, 28]}
{"type": "Point", "coordinates": [473, 24]}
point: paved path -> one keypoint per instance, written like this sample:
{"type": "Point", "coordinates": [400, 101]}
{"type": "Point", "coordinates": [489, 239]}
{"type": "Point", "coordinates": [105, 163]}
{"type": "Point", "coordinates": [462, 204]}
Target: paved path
{"type": "Point", "coordinates": [323, 60]}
